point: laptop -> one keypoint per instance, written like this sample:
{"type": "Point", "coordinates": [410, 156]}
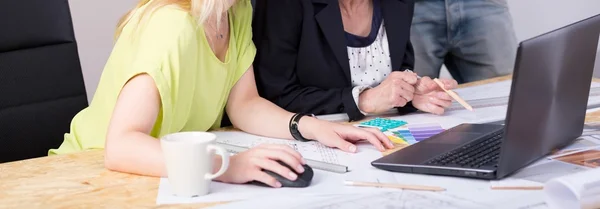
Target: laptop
{"type": "Point", "coordinates": [546, 111]}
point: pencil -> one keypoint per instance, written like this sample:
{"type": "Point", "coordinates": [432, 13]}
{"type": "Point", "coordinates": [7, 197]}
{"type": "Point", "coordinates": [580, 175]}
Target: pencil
{"type": "Point", "coordinates": [449, 92]}
{"type": "Point", "coordinates": [394, 186]}
{"type": "Point", "coordinates": [518, 188]}
{"type": "Point", "coordinates": [454, 95]}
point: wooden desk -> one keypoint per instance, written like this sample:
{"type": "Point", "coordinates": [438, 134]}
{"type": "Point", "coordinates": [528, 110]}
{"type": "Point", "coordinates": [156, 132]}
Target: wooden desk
{"type": "Point", "coordinates": [81, 181]}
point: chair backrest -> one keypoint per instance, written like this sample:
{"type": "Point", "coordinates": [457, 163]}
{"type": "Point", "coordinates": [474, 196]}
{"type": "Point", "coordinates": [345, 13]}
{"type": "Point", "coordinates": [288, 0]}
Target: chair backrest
{"type": "Point", "coordinates": [41, 83]}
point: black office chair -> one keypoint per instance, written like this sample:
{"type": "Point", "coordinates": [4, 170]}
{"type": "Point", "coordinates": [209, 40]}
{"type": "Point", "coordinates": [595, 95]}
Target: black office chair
{"type": "Point", "coordinates": [41, 83]}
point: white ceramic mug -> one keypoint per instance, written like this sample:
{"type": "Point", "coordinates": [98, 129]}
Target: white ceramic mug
{"type": "Point", "coordinates": [189, 158]}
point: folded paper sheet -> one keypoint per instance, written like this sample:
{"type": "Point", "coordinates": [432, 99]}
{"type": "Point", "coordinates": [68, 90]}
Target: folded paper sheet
{"type": "Point", "coordinates": [579, 190]}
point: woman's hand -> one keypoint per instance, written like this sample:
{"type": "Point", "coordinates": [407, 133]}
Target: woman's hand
{"type": "Point", "coordinates": [342, 136]}
{"type": "Point", "coordinates": [395, 91]}
{"type": "Point", "coordinates": [248, 165]}
{"type": "Point", "coordinates": [429, 97]}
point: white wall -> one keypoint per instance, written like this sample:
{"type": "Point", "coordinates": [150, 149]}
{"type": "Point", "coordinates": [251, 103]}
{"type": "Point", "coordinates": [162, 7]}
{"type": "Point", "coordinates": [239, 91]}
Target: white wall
{"type": "Point", "coordinates": [535, 17]}
{"type": "Point", "coordinates": [95, 23]}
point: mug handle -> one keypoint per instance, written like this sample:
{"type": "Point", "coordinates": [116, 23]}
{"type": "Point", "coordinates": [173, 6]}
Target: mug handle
{"type": "Point", "coordinates": [224, 161]}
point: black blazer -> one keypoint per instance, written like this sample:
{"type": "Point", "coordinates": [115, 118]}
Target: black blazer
{"type": "Point", "coordinates": [302, 62]}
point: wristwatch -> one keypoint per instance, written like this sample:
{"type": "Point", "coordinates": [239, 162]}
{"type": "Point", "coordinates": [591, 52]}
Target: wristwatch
{"type": "Point", "coordinates": [294, 126]}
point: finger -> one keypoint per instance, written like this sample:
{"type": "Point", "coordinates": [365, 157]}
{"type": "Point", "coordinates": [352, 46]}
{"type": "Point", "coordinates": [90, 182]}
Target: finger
{"type": "Point", "coordinates": [342, 144]}
{"type": "Point", "coordinates": [360, 134]}
{"type": "Point", "coordinates": [403, 89]}
{"type": "Point", "coordinates": [449, 83]}
{"type": "Point", "coordinates": [274, 166]}
{"type": "Point", "coordinates": [409, 77]}
{"type": "Point", "coordinates": [285, 157]}
{"type": "Point", "coordinates": [266, 178]}
{"type": "Point", "coordinates": [399, 101]}
{"type": "Point", "coordinates": [407, 87]}
{"type": "Point", "coordinates": [405, 76]}
{"type": "Point", "coordinates": [435, 109]}
{"type": "Point", "coordinates": [439, 102]}
{"type": "Point", "coordinates": [425, 85]}
{"type": "Point", "coordinates": [289, 150]}
{"type": "Point", "coordinates": [443, 96]}
{"type": "Point", "coordinates": [396, 74]}
{"type": "Point", "coordinates": [406, 91]}
{"type": "Point", "coordinates": [372, 138]}
{"type": "Point", "coordinates": [382, 137]}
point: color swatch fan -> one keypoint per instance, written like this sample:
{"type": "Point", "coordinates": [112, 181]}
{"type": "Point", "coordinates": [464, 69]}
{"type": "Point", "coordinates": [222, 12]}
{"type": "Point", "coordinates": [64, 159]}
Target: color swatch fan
{"type": "Point", "coordinates": [383, 124]}
{"type": "Point", "coordinates": [414, 133]}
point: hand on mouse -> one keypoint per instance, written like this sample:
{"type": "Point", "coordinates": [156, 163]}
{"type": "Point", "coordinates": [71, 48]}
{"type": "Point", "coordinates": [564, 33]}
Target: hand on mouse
{"type": "Point", "coordinates": [342, 136]}
{"type": "Point", "coordinates": [248, 165]}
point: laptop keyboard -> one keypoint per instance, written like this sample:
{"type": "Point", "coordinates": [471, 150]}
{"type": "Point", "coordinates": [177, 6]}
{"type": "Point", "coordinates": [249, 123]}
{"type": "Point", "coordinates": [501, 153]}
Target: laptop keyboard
{"type": "Point", "coordinates": [483, 152]}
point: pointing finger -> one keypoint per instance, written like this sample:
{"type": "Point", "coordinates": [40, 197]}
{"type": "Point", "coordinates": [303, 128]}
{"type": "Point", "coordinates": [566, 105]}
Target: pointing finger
{"type": "Point", "coordinates": [369, 136]}
{"type": "Point", "coordinates": [382, 137]}
{"type": "Point", "coordinates": [344, 145]}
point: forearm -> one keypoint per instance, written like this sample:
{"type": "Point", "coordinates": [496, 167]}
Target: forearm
{"type": "Point", "coordinates": [261, 117]}
{"type": "Point", "coordinates": [141, 154]}
{"type": "Point", "coordinates": [135, 152]}
{"type": "Point", "coordinates": [254, 114]}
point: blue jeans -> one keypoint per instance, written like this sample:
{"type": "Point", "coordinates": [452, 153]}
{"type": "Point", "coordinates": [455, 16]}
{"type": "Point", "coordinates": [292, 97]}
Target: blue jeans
{"type": "Point", "coordinates": [474, 39]}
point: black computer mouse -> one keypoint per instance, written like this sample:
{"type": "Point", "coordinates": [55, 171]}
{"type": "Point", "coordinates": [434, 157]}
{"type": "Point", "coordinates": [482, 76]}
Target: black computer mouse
{"type": "Point", "coordinates": [303, 179]}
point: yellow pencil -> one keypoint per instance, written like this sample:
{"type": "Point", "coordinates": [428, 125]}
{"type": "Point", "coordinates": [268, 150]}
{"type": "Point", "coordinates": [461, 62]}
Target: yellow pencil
{"type": "Point", "coordinates": [394, 186]}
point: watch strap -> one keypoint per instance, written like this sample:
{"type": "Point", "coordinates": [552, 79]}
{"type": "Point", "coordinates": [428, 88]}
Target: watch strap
{"type": "Point", "coordinates": [294, 130]}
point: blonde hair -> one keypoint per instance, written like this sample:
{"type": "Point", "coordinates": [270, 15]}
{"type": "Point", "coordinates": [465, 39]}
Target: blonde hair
{"type": "Point", "coordinates": [201, 10]}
